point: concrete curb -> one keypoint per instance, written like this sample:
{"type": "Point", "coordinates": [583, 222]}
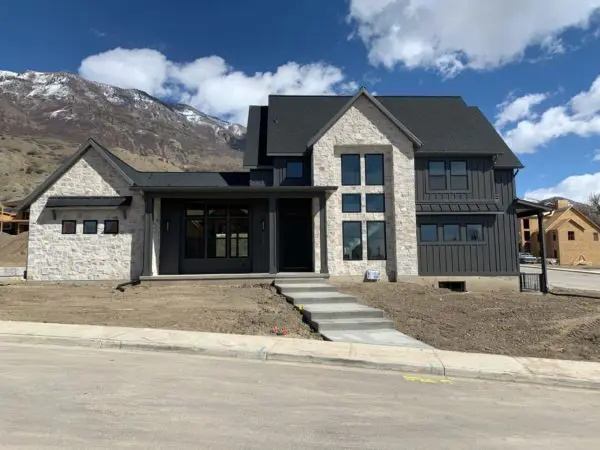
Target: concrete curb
{"type": "Point", "coordinates": [401, 359]}
{"type": "Point", "coordinates": [562, 269]}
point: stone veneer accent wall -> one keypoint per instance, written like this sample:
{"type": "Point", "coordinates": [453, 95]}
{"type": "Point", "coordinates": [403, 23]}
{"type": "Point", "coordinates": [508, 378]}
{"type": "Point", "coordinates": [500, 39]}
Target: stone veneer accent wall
{"type": "Point", "coordinates": [53, 256]}
{"type": "Point", "coordinates": [364, 129]}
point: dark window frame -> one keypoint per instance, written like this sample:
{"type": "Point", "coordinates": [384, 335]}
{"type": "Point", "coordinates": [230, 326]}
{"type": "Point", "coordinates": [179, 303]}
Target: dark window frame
{"type": "Point", "coordinates": [451, 225]}
{"type": "Point", "coordinates": [527, 235]}
{"type": "Point", "coordinates": [112, 221]}
{"type": "Point", "coordinates": [479, 225]}
{"type": "Point", "coordinates": [368, 156]}
{"type": "Point", "coordinates": [429, 176]}
{"type": "Point", "coordinates": [526, 224]}
{"type": "Point", "coordinates": [353, 156]}
{"type": "Point", "coordinates": [570, 235]}
{"type": "Point", "coordinates": [353, 195]}
{"type": "Point", "coordinates": [69, 222]}
{"type": "Point", "coordinates": [95, 222]}
{"type": "Point", "coordinates": [429, 241]}
{"type": "Point", "coordinates": [452, 176]}
{"type": "Point", "coordinates": [353, 222]}
{"type": "Point", "coordinates": [367, 196]}
{"type": "Point", "coordinates": [369, 258]}
{"type": "Point", "coordinates": [447, 176]}
{"type": "Point", "coordinates": [296, 164]}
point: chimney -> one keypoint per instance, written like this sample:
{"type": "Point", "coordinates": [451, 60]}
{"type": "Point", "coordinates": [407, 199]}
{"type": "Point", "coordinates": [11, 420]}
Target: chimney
{"type": "Point", "coordinates": [562, 203]}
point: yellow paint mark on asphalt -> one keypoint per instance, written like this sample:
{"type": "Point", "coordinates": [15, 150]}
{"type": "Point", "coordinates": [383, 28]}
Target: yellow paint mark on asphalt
{"type": "Point", "coordinates": [427, 380]}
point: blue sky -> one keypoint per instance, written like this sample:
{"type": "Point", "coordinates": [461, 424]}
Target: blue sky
{"type": "Point", "coordinates": [531, 68]}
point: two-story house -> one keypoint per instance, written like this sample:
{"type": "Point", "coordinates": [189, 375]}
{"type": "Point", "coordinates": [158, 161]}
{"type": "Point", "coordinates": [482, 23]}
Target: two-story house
{"type": "Point", "coordinates": [572, 237]}
{"type": "Point", "coordinates": [408, 186]}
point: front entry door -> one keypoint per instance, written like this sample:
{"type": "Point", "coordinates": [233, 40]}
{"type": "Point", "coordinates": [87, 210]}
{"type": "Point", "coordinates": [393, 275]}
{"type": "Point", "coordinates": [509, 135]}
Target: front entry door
{"type": "Point", "coordinates": [295, 235]}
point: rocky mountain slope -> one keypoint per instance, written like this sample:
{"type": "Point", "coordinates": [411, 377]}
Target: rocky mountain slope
{"type": "Point", "coordinates": [44, 117]}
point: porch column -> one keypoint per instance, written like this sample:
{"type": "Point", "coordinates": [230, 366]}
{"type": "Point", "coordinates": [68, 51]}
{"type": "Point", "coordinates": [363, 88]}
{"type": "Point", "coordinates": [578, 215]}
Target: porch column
{"type": "Point", "coordinates": [273, 266]}
{"type": "Point", "coordinates": [542, 234]}
{"type": "Point", "coordinates": [323, 232]}
{"type": "Point", "coordinates": [147, 243]}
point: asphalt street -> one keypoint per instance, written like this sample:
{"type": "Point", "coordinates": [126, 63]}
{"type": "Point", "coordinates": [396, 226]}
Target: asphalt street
{"type": "Point", "coordinates": [74, 398]}
{"type": "Point", "coordinates": [568, 280]}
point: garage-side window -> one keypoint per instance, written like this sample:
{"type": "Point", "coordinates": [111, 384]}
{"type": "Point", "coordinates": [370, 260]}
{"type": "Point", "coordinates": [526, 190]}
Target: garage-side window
{"type": "Point", "coordinates": [111, 227]}
{"type": "Point", "coordinates": [69, 227]}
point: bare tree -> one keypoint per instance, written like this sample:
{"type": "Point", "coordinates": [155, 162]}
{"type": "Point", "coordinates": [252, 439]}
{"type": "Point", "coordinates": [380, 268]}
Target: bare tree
{"type": "Point", "coordinates": [594, 202]}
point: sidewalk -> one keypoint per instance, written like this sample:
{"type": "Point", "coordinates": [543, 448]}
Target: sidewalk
{"type": "Point", "coordinates": [418, 360]}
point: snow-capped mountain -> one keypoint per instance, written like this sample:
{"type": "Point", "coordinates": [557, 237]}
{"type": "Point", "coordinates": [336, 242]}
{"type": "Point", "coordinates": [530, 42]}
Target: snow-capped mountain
{"type": "Point", "coordinates": [52, 113]}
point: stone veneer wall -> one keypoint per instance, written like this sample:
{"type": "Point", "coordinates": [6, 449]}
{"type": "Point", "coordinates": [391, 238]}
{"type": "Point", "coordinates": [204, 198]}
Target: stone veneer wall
{"type": "Point", "coordinates": [53, 256]}
{"type": "Point", "coordinates": [364, 129]}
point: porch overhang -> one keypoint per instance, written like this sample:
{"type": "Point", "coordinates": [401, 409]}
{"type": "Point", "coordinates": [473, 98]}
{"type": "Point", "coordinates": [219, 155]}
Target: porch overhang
{"type": "Point", "coordinates": [241, 192]}
{"type": "Point", "coordinates": [524, 208]}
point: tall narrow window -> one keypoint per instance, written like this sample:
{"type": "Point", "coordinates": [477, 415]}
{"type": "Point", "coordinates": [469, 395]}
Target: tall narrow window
{"type": "Point", "coordinates": [376, 240]}
{"type": "Point", "coordinates": [351, 170]}
{"type": "Point", "coordinates": [571, 235]}
{"type": "Point", "coordinates": [194, 237]}
{"type": "Point", "coordinates": [352, 240]}
{"type": "Point", "coordinates": [374, 170]}
{"type": "Point", "coordinates": [527, 235]}
{"type": "Point", "coordinates": [458, 176]}
{"type": "Point", "coordinates": [526, 224]}
{"type": "Point", "coordinates": [437, 175]}
{"type": "Point", "coordinates": [595, 236]}
{"type": "Point", "coordinates": [239, 227]}
{"type": "Point", "coordinates": [216, 227]}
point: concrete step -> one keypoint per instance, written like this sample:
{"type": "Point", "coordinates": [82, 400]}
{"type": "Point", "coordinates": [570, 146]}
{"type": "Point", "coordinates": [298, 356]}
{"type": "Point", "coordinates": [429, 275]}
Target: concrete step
{"type": "Point", "coordinates": [311, 298]}
{"type": "Point", "coordinates": [305, 287]}
{"type": "Point", "coordinates": [329, 311]}
{"type": "Point", "coordinates": [376, 337]}
{"type": "Point", "coordinates": [353, 324]}
{"type": "Point", "coordinates": [306, 278]}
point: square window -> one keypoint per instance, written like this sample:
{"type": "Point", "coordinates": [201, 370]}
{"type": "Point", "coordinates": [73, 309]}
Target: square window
{"type": "Point", "coordinates": [293, 169]}
{"type": "Point", "coordinates": [437, 175]}
{"type": "Point", "coordinates": [571, 235]}
{"type": "Point", "coordinates": [90, 226]}
{"type": "Point", "coordinates": [111, 227]}
{"type": "Point", "coordinates": [458, 175]}
{"type": "Point", "coordinates": [350, 170]}
{"type": "Point", "coordinates": [451, 232]}
{"type": "Point", "coordinates": [376, 240]}
{"type": "Point", "coordinates": [351, 203]}
{"type": "Point", "coordinates": [352, 241]}
{"type": "Point", "coordinates": [474, 232]}
{"type": "Point", "coordinates": [375, 202]}
{"type": "Point", "coordinates": [428, 233]}
{"type": "Point", "coordinates": [374, 170]}
{"type": "Point", "coordinates": [69, 227]}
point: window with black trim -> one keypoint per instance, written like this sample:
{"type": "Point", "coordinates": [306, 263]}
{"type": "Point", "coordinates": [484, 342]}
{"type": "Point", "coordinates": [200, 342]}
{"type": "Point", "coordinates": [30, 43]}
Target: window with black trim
{"type": "Point", "coordinates": [458, 176]}
{"type": "Point", "coordinates": [90, 226]}
{"type": "Point", "coordinates": [571, 235]}
{"type": "Point", "coordinates": [350, 170]}
{"type": "Point", "coordinates": [69, 227]}
{"type": "Point", "coordinates": [351, 203]}
{"type": "Point", "coordinates": [474, 232]}
{"type": "Point", "coordinates": [352, 240]}
{"type": "Point", "coordinates": [428, 232]}
{"type": "Point", "coordinates": [451, 232]}
{"type": "Point", "coordinates": [294, 169]}
{"type": "Point", "coordinates": [375, 202]}
{"type": "Point", "coordinates": [376, 240]}
{"type": "Point", "coordinates": [437, 175]}
{"type": "Point", "coordinates": [526, 224]}
{"type": "Point", "coordinates": [111, 227]}
{"type": "Point", "coordinates": [374, 169]}
{"type": "Point", "coordinates": [527, 235]}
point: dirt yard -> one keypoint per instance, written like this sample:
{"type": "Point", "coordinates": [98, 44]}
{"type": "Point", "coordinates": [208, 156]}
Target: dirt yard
{"type": "Point", "coordinates": [516, 324]}
{"type": "Point", "coordinates": [13, 250]}
{"type": "Point", "coordinates": [248, 309]}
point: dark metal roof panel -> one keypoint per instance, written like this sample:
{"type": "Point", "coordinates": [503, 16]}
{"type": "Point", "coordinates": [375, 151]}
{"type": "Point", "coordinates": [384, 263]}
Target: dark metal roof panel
{"type": "Point", "coordinates": [193, 179]}
{"type": "Point", "coordinates": [87, 202]}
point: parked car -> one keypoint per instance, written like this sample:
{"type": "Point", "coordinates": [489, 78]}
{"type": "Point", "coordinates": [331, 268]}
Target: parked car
{"type": "Point", "coordinates": [527, 258]}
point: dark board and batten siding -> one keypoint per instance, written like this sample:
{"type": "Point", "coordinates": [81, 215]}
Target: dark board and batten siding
{"type": "Point", "coordinates": [280, 176]}
{"type": "Point", "coordinates": [480, 174]}
{"type": "Point", "coordinates": [496, 255]}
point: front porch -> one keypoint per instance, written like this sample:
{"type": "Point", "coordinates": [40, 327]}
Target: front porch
{"type": "Point", "coordinates": [235, 234]}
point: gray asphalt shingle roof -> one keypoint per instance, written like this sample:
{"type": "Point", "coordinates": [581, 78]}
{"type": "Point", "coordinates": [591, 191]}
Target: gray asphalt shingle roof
{"type": "Point", "coordinates": [441, 123]}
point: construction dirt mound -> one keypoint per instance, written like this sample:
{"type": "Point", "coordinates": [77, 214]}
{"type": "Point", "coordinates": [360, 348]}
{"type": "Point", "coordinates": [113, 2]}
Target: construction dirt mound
{"type": "Point", "coordinates": [13, 249]}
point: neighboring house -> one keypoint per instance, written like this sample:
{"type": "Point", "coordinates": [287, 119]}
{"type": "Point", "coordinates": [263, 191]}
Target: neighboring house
{"type": "Point", "coordinates": [572, 237]}
{"type": "Point", "coordinates": [11, 220]}
{"type": "Point", "coordinates": [409, 186]}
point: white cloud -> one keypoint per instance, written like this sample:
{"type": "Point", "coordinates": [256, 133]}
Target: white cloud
{"type": "Point", "coordinates": [576, 187]}
{"type": "Point", "coordinates": [517, 109]}
{"type": "Point", "coordinates": [580, 116]}
{"type": "Point", "coordinates": [209, 83]}
{"type": "Point", "coordinates": [452, 35]}
{"type": "Point", "coordinates": [596, 156]}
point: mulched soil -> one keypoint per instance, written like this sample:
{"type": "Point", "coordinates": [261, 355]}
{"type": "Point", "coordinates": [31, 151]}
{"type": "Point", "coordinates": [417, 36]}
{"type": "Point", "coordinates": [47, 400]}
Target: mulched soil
{"type": "Point", "coordinates": [237, 309]}
{"type": "Point", "coordinates": [516, 324]}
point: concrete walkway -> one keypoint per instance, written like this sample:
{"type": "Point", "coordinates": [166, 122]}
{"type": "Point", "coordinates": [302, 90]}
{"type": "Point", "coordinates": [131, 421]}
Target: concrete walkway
{"type": "Point", "coordinates": [418, 360]}
{"type": "Point", "coordinates": [340, 317]}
